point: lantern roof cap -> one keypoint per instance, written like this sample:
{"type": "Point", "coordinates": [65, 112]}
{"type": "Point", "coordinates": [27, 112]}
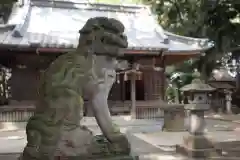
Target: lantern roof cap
{"type": "Point", "coordinates": [197, 86]}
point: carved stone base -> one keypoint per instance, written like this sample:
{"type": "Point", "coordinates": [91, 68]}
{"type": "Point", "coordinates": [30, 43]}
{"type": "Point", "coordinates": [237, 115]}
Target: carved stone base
{"type": "Point", "coordinates": [197, 147]}
{"type": "Point", "coordinates": [91, 148]}
{"type": "Point", "coordinates": [174, 119]}
{"type": "Point", "coordinates": [96, 158]}
{"type": "Point", "coordinates": [197, 142]}
{"type": "Point", "coordinates": [196, 153]}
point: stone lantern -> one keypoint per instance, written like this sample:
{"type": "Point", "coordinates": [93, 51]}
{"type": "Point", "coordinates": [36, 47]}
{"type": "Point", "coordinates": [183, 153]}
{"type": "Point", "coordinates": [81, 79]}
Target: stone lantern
{"type": "Point", "coordinates": [224, 83]}
{"type": "Point", "coordinates": [196, 143]}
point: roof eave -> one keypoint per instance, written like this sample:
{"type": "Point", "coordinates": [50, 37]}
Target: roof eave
{"type": "Point", "coordinates": [182, 52]}
{"type": "Point", "coordinates": [185, 37]}
{"type": "Point", "coordinates": [128, 52]}
{"type": "Point", "coordinates": [203, 43]}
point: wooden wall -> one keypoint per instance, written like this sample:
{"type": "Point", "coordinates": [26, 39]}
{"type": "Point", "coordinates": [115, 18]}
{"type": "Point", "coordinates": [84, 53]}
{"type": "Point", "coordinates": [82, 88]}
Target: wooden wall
{"type": "Point", "coordinates": [153, 82]}
{"type": "Point", "coordinates": [24, 84]}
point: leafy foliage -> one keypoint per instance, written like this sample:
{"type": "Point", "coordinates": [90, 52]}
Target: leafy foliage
{"type": "Point", "coordinates": [5, 9]}
{"type": "Point", "coordinates": [218, 20]}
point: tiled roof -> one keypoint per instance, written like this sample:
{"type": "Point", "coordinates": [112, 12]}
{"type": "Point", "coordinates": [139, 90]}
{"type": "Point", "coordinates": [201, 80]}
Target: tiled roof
{"type": "Point", "coordinates": [182, 44]}
{"type": "Point", "coordinates": [55, 24]}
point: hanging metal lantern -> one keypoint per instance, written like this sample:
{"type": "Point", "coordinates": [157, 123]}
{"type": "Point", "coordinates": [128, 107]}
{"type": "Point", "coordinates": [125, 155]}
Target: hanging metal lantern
{"type": "Point", "coordinates": [125, 77]}
{"type": "Point", "coordinates": [138, 75]}
{"type": "Point", "coordinates": [118, 79]}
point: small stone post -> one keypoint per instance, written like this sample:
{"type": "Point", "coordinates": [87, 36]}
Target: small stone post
{"type": "Point", "coordinates": [196, 145]}
{"type": "Point", "coordinates": [174, 117]}
{"type": "Point", "coordinates": [228, 99]}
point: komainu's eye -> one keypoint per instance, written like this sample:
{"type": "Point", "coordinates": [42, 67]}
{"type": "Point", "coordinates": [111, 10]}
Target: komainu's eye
{"type": "Point", "coordinates": [102, 40]}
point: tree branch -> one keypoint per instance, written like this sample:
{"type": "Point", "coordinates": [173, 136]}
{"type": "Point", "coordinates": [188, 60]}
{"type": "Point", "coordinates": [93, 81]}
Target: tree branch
{"type": "Point", "coordinates": [178, 11]}
{"type": "Point", "coordinates": [174, 2]}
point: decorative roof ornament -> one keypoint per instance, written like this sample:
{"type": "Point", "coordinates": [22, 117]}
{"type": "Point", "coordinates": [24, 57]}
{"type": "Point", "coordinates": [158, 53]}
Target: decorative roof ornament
{"type": "Point", "coordinates": [196, 74]}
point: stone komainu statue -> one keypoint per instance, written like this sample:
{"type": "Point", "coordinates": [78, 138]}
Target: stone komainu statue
{"type": "Point", "coordinates": [88, 70]}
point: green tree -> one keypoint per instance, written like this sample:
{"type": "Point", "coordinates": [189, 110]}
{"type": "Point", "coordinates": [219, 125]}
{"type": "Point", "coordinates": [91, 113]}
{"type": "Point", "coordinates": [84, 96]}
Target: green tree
{"type": "Point", "coordinates": [218, 20]}
{"type": "Point", "coordinates": [178, 76]}
{"type": "Point", "coordinates": [5, 9]}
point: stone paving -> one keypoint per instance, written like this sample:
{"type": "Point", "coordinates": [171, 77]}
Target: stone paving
{"type": "Point", "coordinates": [213, 123]}
{"type": "Point", "coordinates": [159, 138]}
{"type": "Point", "coordinates": [146, 137]}
{"type": "Point", "coordinates": [224, 117]}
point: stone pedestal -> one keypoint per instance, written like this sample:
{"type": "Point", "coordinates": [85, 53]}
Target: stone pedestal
{"type": "Point", "coordinates": [174, 117]}
{"type": "Point", "coordinates": [229, 102]}
{"type": "Point", "coordinates": [196, 147]}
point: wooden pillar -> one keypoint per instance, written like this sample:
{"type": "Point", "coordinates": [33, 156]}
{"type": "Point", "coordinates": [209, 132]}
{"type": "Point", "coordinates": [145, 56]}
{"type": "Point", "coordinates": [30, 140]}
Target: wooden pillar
{"type": "Point", "coordinates": [163, 77]}
{"type": "Point", "coordinates": [123, 87]}
{"type": "Point", "coordinates": [133, 95]}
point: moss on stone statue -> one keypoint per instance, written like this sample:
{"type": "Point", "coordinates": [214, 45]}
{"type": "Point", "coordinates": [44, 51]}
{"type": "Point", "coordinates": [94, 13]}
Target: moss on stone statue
{"type": "Point", "coordinates": [102, 149]}
{"type": "Point", "coordinates": [116, 128]}
{"type": "Point", "coordinates": [100, 158]}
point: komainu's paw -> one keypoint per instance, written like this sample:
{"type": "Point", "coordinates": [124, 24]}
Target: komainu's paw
{"type": "Point", "coordinates": [121, 144]}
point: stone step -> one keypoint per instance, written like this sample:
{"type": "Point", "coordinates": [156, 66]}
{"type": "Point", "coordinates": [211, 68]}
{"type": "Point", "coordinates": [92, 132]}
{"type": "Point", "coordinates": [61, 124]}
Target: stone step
{"type": "Point", "coordinates": [223, 158]}
{"type": "Point", "coordinates": [9, 156]}
{"type": "Point", "coordinates": [229, 149]}
{"type": "Point", "coordinates": [160, 156]}
{"type": "Point", "coordinates": [227, 145]}
{"type": "Point", "coordinates": [178, 157]}
{"type": "Point", "coordinates": [231, 152]}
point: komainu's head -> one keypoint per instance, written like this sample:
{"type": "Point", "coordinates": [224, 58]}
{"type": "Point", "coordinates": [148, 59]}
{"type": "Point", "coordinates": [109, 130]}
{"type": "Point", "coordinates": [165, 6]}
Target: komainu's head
{"type": "Point", "coordinates": [103, 36]}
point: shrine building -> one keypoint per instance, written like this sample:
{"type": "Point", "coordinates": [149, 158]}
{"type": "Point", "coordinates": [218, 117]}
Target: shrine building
{"type": "Point", "coordinates": [39, 31]}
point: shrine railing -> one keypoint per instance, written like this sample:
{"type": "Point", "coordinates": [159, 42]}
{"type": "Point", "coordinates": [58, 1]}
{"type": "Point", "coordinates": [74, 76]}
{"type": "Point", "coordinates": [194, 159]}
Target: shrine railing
{"type": "Point", "coordinates": [144, 110]}
{"type": "Point", "coordinates": [148, 110]}
{"type": "Point", "coordinates": [21, 113]}
{"type": "Point", "coordinates": [115, 107]}
{"type": "Point", "coordinates": [216, 102]}
{"type": "Point", "coordinates": [16, 113]}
